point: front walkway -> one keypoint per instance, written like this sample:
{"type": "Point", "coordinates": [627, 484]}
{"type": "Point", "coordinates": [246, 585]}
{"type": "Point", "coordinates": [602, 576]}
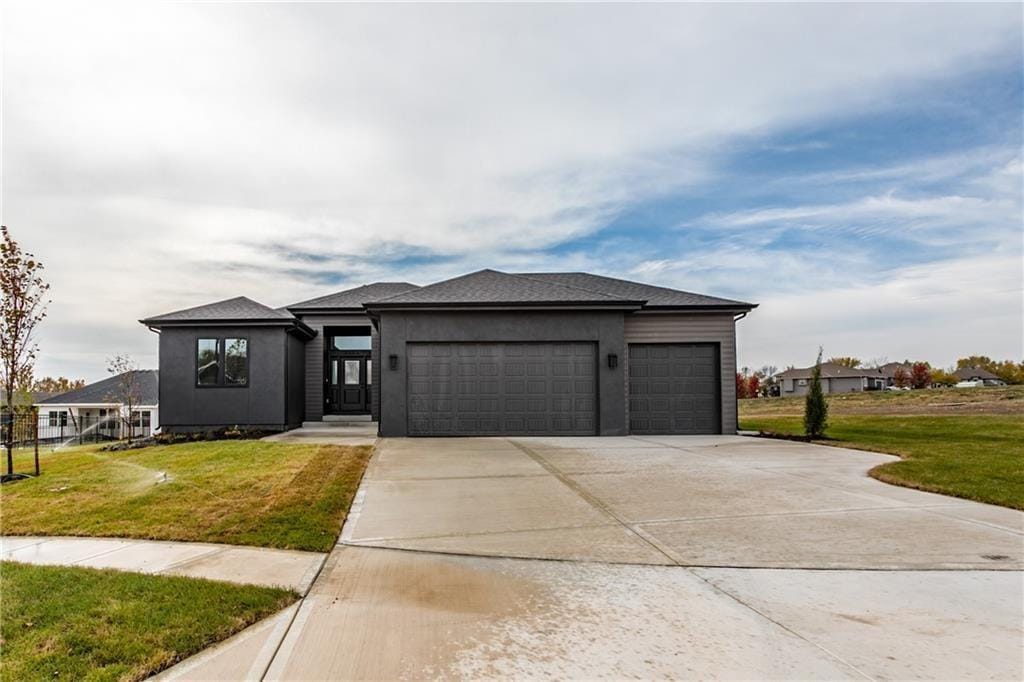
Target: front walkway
{"type": "Point", "coordinates": [245, 565]}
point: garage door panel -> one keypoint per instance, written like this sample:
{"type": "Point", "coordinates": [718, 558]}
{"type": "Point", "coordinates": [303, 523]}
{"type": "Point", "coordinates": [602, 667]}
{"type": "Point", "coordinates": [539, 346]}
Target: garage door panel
{"type": "Point", "coordinates": [674, 388]}
{"type": "Point", "coordinates": [502, 388]}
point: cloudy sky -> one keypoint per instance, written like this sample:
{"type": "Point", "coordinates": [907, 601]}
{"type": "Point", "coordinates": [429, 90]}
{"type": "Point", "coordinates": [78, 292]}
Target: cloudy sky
{"type": "Point", "coordinates": [855, 169]}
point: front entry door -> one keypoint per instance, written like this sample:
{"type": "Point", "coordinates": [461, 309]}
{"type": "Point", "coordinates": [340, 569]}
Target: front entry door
{"type": "Point", "coordinates": [348, 383]}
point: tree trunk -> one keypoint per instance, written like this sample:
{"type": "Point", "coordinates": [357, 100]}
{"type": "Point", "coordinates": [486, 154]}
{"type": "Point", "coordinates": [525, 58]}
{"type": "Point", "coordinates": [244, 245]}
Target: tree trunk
{"type": "Point", "coordinates": [35, 436]}
{"type": "Point", "coordinates": [9, 442]}
{"type": "Point", "coordinates": [9, 426]}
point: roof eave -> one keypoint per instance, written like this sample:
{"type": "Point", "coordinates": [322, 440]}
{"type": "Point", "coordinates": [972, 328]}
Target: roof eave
{"type": "Point", "coordinates": [283, 322]}
{"type": "Point", "coordinates": [701, 307]}
{"type": "Point", "coordinates": [519, 305]}
{"type": "Point", "coordinates": [348, 310]}
{"type": "Point", "coordinates": [295, 324]}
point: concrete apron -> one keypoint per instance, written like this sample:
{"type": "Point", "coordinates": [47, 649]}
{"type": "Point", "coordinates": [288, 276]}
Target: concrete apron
{"type": "Point", "coordinates": [626, 521]}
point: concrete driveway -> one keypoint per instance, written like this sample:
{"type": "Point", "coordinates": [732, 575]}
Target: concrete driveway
{"type": "Point", "coordinates": [675, 500]}
{"type": "Point", "coordinates": [666, 557]}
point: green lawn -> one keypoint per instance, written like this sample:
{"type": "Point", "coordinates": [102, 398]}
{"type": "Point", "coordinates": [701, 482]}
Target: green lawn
{"type": "Point", "coordinates": [236, 492]}
{"type": "Point", "coordinates": [60, 623]}
{"type": "Point", "coordinates": [978, 457]}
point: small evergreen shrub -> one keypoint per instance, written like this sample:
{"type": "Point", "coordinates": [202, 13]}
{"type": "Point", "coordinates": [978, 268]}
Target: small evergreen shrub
{"type": "Point", "coordinates": [815, 407]}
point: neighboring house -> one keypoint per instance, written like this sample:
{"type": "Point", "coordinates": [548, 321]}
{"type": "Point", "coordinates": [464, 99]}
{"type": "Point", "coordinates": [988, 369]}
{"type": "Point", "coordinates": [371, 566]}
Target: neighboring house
{"type": "Point", "coordinates": [888, 372]}
{"type": "Point", "coordinates": [837, 378]}
{"type": "Point", "coordinates": [977, 374]}
{"type": "Point", "coordinates": [488, 353]}
{"type": "Point", "coordinates": [96, 409]}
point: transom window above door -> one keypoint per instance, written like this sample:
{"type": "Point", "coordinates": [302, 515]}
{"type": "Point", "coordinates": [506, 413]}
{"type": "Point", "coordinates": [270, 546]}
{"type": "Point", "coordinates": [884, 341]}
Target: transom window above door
{"type": "Point", "coordinates": [350, 338]}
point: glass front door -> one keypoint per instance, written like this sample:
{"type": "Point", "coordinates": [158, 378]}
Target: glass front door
{"type": "Point", "coordinates": [347, 380]}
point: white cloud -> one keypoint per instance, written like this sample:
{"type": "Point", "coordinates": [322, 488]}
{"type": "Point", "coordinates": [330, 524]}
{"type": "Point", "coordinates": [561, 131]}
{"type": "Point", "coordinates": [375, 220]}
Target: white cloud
{"type": "Point", "coordinates": [863, 214]}
{"type": "Point", "coordinates": [146, 145]}
{"type": "Point", "coordinates": [936, 312]}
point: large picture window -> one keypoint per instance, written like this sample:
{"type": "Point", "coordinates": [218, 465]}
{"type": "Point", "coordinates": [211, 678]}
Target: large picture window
{"type": "Point", "coordinates": [222, 362]}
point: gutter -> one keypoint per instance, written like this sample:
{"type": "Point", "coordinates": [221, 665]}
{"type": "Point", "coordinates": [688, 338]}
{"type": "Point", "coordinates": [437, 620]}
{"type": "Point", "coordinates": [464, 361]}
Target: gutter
{"type": "Point", "coordinates": [512, 306]}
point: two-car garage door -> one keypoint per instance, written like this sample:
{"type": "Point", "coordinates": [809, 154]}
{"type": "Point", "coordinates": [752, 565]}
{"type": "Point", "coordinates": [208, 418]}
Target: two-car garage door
{"type": "Point", "coordinates": [674, 388]}
{"type": "Point", "coordinates": [462, 389]}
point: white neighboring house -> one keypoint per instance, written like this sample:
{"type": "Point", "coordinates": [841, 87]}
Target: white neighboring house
{"type": "Point", "coordinates": [96, 410]}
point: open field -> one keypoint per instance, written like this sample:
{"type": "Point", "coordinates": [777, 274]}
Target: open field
{"type": "Point", "coordinates": [61, 623]}
{"type": "Point", "coordinates": [234, 492]}
{"type": "Point", "coordinates": [963, 442]}
{"type": "Point", "coordinates": [937, 401]}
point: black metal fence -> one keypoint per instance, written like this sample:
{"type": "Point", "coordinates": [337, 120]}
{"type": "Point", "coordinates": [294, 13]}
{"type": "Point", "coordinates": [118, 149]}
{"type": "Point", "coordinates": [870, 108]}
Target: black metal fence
{"type": "Point", "coordinates": [26, 429]}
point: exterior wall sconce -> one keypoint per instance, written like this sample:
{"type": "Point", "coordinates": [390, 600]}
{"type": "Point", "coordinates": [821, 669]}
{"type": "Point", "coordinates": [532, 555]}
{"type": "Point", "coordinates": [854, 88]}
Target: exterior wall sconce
{"type": "Point", "coordinates": [393, 362]}
{"type": "Point", "coordinates": [613, 361]}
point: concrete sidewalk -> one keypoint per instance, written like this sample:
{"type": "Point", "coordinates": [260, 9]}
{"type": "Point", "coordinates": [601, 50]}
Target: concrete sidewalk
{"type": "Point", "coordinates": [231, 563]}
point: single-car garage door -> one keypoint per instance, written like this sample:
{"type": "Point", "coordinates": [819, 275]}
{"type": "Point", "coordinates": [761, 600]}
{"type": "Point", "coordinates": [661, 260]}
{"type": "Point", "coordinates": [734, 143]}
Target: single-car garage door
{"type": "Point", "coordinates": [674, 388]}
{"type": "Point", "coordinates": [464, 389]}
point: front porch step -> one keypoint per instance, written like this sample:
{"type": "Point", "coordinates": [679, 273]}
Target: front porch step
{"type": "Point", "coordinates": [348, 418]}
{"type": "Point", "coordinates": [361, 424]}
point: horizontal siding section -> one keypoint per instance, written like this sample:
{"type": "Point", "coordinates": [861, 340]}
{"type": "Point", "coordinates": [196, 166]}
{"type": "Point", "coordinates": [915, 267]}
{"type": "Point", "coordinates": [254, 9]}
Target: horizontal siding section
{"type": "Point", "coordinates": [315, 358]}
{"type": "Point", "coordinates": [692, 328]}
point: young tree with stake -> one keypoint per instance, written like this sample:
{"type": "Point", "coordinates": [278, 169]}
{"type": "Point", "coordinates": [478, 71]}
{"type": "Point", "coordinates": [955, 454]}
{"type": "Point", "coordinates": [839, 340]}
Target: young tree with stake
{"type": "Point", "coordinates": [127, 391]}
{"type": "Point", "coordinates": [22, 307]}
{"type": "Point", "coordinates": [815, 407]}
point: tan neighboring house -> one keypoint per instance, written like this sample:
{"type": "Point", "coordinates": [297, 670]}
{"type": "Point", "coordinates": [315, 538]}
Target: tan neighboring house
{"type": "Point", "coordinates": [837, 378]}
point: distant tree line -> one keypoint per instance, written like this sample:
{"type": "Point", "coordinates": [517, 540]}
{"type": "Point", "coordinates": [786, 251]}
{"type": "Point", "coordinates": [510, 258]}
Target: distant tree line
{"type": "Point", "coordinates": [760, 383]}
{"type": "Point", "coordinates": [56, 385]}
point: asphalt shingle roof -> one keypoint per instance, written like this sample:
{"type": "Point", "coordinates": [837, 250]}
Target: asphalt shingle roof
{"type": "Point", "coordinates": [353, 299]}
{"type": "Point", "coordinates": [106, 391]}
{"type": "Point", "coordinates": [966, 373]}
{"type": "Point", "coordinates": [655, 296]}
{"type": "Point", "coordinates": [501, 288]}
{"type": "Point", "coordinates": [238, 308]}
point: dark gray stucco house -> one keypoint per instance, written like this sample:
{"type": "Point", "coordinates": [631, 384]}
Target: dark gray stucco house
{"type": "Point", "coordinates": [488, 353]}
